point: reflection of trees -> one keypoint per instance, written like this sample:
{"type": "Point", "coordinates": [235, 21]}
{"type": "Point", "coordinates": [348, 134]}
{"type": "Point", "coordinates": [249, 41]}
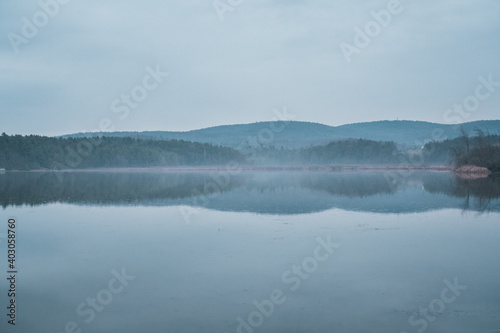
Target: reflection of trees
{"type": "Point", "coordinates": [478, 193]}
{"type": "Point", "coordinates": [359, 184]}
{"type": "Point", "coordinates": [275, 192]}
{"type": "Point", "coordinates": [347, 184]}
{"type": "Point", "coordinates": [437, 182]}
{"type": "Point", "coordinates": [105, 188]}
{"type": "Point", "coordinates": [117, 188]}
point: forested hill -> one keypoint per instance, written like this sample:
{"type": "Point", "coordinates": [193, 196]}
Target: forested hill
{"type": "Point", "coordinates": [37, 152]}
{"type": "Point", "coordinates": [294, 134]}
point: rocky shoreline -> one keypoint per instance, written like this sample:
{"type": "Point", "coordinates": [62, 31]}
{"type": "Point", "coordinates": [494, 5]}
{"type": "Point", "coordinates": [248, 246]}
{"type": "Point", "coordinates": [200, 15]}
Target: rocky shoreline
{"type": "Point", "coordinates": [472, 172]}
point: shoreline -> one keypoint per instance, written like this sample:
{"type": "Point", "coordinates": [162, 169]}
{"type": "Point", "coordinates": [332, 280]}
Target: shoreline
{"type": "Point", "coordinates": [249, 168]}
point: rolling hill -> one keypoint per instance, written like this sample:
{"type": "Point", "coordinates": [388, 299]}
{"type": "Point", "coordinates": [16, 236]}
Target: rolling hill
{"type": "Point", "coordinates": [295, 134]}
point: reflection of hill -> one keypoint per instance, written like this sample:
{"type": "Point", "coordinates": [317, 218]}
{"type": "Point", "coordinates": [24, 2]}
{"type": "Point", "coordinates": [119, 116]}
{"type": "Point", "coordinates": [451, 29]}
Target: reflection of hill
{"type": "Point", "coordinates": [350, 184]}
{"type": "Point", "coordinates": [260, 192]}
{"type": "Point", "coordinates": [297, 193]}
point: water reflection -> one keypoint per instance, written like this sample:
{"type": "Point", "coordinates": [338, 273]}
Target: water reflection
{"type": "Point", "coordinates": [263, 192]}
{"type": "Point", "coordinates": [480, 194]}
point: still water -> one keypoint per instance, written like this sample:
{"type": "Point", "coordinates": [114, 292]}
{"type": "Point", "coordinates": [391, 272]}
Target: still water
{"type": "Point", "coordinates": [251, 252]}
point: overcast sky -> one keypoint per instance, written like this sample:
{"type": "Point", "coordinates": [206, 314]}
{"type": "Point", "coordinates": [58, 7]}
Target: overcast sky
{"type": "Point", "coordinates": [72, 69]}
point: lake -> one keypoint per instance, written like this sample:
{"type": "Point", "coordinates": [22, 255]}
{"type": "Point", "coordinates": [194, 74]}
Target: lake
{"type": "Point", "coordinates": [232, 251]}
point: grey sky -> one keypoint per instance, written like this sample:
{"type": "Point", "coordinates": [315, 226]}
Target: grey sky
{"type": "Point", "coordinates": [263, 55]}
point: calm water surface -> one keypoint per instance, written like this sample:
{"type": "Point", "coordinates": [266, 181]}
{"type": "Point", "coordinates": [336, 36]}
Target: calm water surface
{"type": "Point", "coordinates": [252, 252]}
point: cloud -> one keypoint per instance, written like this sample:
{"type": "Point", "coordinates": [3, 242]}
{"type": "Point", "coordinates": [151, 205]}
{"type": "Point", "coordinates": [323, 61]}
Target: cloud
{"type": "Point", "coordinates": [263, 55]}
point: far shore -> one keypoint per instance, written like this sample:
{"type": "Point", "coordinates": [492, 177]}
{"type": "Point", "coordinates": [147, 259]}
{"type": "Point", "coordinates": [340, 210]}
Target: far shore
{"type": "Point", "coordinates": [238, 168]}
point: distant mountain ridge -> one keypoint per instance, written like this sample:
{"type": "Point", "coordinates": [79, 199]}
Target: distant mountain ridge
{"type": "Point", "coordinates": [297, 134]}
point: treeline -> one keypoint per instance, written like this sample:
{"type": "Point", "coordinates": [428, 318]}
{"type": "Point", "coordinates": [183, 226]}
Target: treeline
{"type": "Point", "coordinates": [38, 152]}
{"type": "Point", "coordinates": [479, 150]}
{"type": "Point", "coordinates": [31, 152]}
{"type": "Point", "coordinates": [341, 152]}
{"type": "Point", "coordinates": [482, 151]}
{"type": "Point", "coordinates": [352, 151]}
